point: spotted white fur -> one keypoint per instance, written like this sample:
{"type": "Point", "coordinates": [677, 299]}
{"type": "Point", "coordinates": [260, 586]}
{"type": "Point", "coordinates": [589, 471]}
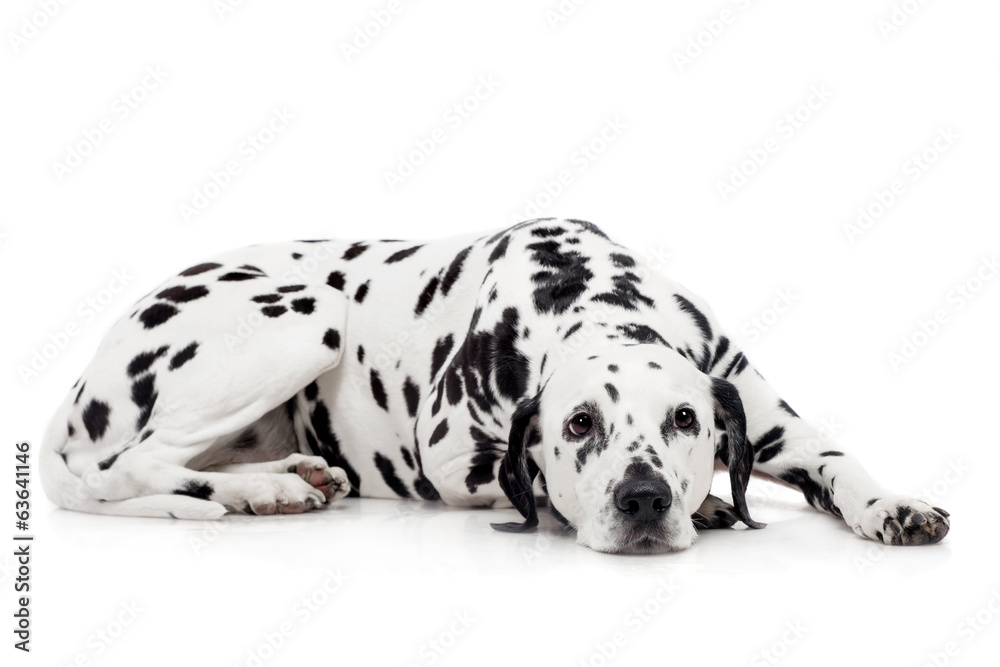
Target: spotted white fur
{"type": "Point", "coordinates": [541, 360]}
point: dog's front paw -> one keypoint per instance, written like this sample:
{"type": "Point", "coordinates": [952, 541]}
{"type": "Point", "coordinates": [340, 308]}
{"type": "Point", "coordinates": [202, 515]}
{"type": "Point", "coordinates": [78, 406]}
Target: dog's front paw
{"type": "Point", "coordinates": [714, 513]}
{"type": "Point", "coordinates": [902, 521]}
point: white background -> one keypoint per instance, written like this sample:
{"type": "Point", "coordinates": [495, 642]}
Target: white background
{"type": "Point", "coordinates": [212, 594]}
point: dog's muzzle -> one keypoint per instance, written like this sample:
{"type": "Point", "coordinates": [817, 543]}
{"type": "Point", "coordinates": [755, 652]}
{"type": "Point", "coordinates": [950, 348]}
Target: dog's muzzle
{"type": "Point", "coordinates": [643, 501]}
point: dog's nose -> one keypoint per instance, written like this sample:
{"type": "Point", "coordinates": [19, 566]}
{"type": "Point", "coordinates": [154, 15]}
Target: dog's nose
{"type": "Point", "coordinates": [643, 499]}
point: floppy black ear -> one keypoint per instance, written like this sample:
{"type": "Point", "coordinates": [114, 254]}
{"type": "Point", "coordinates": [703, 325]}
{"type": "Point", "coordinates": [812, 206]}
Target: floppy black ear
{"type": "Point", "coordinates": [729, 410]}
{"type": "Point", "coordinates": [517, 473]}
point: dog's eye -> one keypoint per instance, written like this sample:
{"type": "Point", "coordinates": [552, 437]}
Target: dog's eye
{"type": "Point", "coordinates": [580, 424]}
{"type": "Point", "coordinates": [684, 418]}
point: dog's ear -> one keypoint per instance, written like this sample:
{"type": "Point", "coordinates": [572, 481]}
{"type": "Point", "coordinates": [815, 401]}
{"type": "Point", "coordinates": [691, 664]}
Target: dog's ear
{"type": "Point", "coordinates": [517, 472]}
{"type": "Point", "coordinates": [739, 454]}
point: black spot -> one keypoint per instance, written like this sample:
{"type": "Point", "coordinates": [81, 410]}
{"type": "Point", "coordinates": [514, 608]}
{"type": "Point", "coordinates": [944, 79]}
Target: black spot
{"type": "Point", "coordinates": [640, 333]}
{"type": "Point", "coordinates": [720, 352]}
{"type": "Point", "coordinates": [454, 270]}
{"type": "Point", "coordinates": [612, 391]}
{"type": "Point", "coordinates": [312, 391]}
{"type": "Point", "coordinates": [108, 462]}
{"type": "Point", "coordinates": [361, 354]}
{"type": "Point", "coordinates": [304, 306]}
{"type": "Point", "coordinates": [547, 232]}
{"type": "Point", "coordinates": [237, 276]}
{"type": "Point", "coordinates": [769, 452]}
{"type": "Point", "coordinates": [588, 226]}
{"type": "Point", "coordinates": [872, 502]}
{"type": "Point", "coordinates": [407, 458]}
{"type": "Point", "coordinates": [613, 368]}
{"type": "Point", "coordinates": [622, 261]}
{"type": "Point", "coordinates": [332, 339]}
{"type": "Point", "coordinates": [329, 446]}
{"type": "Point", "coordinates": [291, 288]}
{"type": "Point", "coordinates": [79, 393]}
{"type": "Point", "coordinates": [737, 365]}
{"type": "Point", "coordinates": [274, 311]}
{"type": "Point", "coordinates": [426, 296]}
{"type": "Point", "coordinates": [296, 255]}
{"type": "Point", "coordinates": [146, 435]}
{"type": "Point", "coordinates": [267, 298]}
{"type": "Point", "coordinates": [144, 396]}
{"type": "Point", "coordinates": [564, 279]}
{"type": "Point", "coordinates": [441, 351]}
{"type": "Point", "coordinates": [655, 366]}
{"type": "Point", "coordinates": [196, 489]}
{"type": "Point", "coordinates": [251, 267]}
{"type": "Point", "coordinates": [157, 314]}
{"type": "Point", "coordinates": [362, 292]}
{"type": "Point", "coordinates": [769, 438]}
{"type": "Point", "coordinates": [653, 458]}
{"type": "Point", "coordinates": [70, 430]}
{"type": "Point", "coordinates": [95, 418]}
{"type": "Point", "coordinates": [378, 389]}
{"type": "Point", "coordinates": [184, 356]}
{"type": "Point", "coordinates": [511, 366]}
{"type": "Point", "coordinates": [595, 444]}
{"type": "Point", "coordinates": [181, 294]}
{"type": "Point", "coordinates": [440, 431]}
{"type": "Point", "coordinates": [624, 293]}
{"type": "Point", "coordinates": [354, 250]}
{"type": "Point", "coordinates": [482, 469]}
{"type": "Point", "coordinates": [412, 395]}
{"type": "Point", "coordinates": [400, 255]}
{"type": "Point", "coordinates": [500, 250]}
{"type": "Point", "coordinates": [141, 362]}
{"type": "Point", "coordinates": [817, 495]}
{"type": "Point", "coordinates": [831, 453]}
{"type": "Point", "coordinates": [699, 317]}
{"type": "Point", "coordinates": [453, 385]}
{"type": "Point", "coordinates": [489, 450]}
{"type": "Point", "coordinates": [336, 280]}
{"type": "Point", "coordinates": [200, 268]}
{"type": "Point", "coordinates": [572, 330]}
{"type": "Point", "coordinates": [388, 470]}
{"type": "Point", "coordinates": [787, 408]}
{"type": "Point", "coordinates": [438, 397]}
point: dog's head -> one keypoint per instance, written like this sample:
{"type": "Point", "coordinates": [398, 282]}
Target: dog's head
{"type": "Point", "coordinates": [626, 441]}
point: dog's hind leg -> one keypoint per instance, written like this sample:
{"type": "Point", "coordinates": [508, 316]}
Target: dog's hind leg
{"type": "Point", "coordinates": [176, 379]}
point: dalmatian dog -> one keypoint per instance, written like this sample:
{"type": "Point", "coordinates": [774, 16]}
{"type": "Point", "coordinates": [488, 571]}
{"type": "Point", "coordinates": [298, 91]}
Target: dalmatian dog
{"type": "Point", "coordinates": [539, 364]}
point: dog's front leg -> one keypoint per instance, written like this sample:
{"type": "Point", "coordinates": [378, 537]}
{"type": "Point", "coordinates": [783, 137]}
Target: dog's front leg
{"type": "Point", "coordinates": [790, 450]}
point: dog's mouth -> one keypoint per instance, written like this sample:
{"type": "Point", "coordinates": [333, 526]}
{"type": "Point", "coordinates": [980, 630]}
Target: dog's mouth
{"type": "Point", "coordinates": [642, 538]}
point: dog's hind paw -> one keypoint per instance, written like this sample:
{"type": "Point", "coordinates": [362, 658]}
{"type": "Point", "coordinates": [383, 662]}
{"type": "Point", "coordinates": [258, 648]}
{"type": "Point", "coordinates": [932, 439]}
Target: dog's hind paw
{"type": "Point", "coordinates": [332, 482]}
